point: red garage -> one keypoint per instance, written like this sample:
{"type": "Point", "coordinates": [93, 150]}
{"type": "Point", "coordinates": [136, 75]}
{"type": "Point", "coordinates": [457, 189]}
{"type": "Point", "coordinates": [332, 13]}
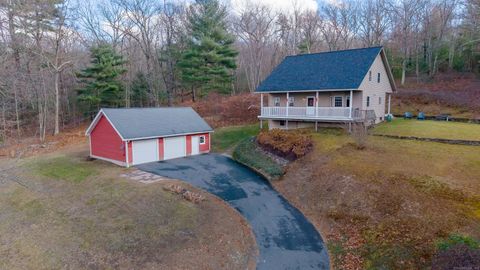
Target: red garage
{"type": "Point", "coordinates": [131, 136]}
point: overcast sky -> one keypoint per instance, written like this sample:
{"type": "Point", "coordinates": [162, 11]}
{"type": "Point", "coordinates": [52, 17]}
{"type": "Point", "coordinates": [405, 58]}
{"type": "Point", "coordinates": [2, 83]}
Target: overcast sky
{"type": "Point", "coordinates": [278, 5]}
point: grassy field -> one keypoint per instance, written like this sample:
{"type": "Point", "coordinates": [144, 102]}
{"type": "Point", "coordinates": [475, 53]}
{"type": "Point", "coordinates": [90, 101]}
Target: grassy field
{"type": "Point", "coordinates": [430, 129]}
{"type": "Point", "coordinates": [227, 138]}
{"type": "Point", "coordinates": [59, 211]}
{"type": "Point", "coordinates": [386, 207]}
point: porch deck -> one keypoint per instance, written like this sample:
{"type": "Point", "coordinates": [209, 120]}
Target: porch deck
{"type": "Point", "coordinates": [315, 113]}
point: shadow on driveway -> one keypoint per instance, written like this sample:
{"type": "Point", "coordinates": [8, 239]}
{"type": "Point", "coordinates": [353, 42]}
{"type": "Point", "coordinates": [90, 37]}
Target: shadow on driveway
{"type": "Point", "coordinates": [285, 238]}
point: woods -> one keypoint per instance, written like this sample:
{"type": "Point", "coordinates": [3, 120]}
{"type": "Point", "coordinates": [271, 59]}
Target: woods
{"type": "Point", "coordinates": [62, 59]}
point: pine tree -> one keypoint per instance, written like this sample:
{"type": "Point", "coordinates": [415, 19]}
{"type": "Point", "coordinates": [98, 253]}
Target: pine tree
{"type": "Point", "coordinates": [102, 88]}
{"type": "Point", "coordinates": [140, 90]}
{"type": "Point", "coordinates": [209, 60]}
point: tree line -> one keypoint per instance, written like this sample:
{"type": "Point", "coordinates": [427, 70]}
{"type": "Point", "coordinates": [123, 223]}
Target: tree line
{"type": "Point", "coordinates": [62, 60]}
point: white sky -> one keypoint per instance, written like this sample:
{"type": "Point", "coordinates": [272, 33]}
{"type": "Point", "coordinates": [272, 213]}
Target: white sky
{"type": "Point", "coordinates": [278, 5]}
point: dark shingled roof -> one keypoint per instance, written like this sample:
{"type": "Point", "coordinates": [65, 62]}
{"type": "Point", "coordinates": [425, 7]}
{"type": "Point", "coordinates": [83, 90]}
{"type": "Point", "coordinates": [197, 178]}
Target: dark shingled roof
{"type": "Point", "coordinates": [321, 71]}
{"type": "Point", "coordinates": [134, 123]}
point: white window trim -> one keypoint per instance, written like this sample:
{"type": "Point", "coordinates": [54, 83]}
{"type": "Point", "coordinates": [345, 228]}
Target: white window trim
{"type": "Point", "coordinates": [334, 105]}
{"type": "Point", "coordinates": [275, 99]}
{"type": "Point", "coordinates": [200, 139]}
{"type": "Point", "coordinates": [291, 101]}
{"type": "Point", "coordinates": [378, 77]}
{"type": "Point", "coordinates": [367, 102]}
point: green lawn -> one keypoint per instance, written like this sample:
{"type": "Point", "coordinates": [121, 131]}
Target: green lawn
{"type": "Point", "coordinates": [247, 153]}
{"type": "Point", "coordinates": [227, 137]}
{"type": "Point", "coordinates": [430, 129]}
{"type": "Point", "coordinates": [64, 168]}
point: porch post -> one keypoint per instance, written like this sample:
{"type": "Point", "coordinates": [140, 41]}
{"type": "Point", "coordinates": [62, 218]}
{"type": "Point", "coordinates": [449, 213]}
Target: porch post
{"type": "Point", "coordinates": [389, 98]}
{"type": "Point", "coordinates": [288, 96]}
{"type": "Point", "coordinates": [316, 104]}
{"type": "Point", "coordinates": [261, 103]}
{"type": "Point", "coordinates": [351, 102]}
{"type": "Point", "coordinates": [286, 120]}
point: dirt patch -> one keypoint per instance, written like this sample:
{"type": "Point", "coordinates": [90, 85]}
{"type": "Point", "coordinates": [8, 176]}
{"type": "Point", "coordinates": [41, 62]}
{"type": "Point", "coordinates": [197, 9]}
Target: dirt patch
{"type": "Point", "coordinates": [374, 215]}
{"type": "Point", "coordinates": [31, 146]}
{"type": "Point", "coordinates": [101, 220]}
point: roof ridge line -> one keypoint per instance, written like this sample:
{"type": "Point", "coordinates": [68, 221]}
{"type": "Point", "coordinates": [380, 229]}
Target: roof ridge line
{"type": "Point", "coordinates": [145, 108]}
{"type": "Point", "coordinates": [346, 50]}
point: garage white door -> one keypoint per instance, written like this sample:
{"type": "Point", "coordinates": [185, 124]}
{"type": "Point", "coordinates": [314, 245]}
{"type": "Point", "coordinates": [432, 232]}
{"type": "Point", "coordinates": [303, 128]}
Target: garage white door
{"type": "Point", "coordinates": [145, 151]}
{"type": "Point", "coordinates": [174, 147]}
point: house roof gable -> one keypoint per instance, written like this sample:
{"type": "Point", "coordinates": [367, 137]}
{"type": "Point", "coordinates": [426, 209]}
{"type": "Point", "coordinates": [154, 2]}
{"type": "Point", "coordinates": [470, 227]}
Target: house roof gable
{"type": "Point", "coordinates": [142, 123]}
{"type": "Point", "coordinates": [334, 70]}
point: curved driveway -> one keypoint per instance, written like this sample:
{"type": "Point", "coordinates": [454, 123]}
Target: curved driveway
{"type": "Point", "coordinates": [286, 239]}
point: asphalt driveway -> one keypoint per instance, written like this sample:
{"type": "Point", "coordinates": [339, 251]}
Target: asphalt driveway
{"type": "Point", "coordinates": [286, 239]}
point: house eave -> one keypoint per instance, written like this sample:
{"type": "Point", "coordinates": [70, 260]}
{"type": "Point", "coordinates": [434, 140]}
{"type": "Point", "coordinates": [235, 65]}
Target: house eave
{"type": "Point", "coordinates": [169, 135]}
{"type": "Point", "coordinates": [313, 90]}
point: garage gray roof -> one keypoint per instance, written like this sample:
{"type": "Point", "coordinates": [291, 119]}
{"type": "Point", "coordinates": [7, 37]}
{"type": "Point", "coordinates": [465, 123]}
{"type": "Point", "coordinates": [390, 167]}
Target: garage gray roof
{"type": "Point", "coordinates": [135, 123]}
{"type": "Point", "coordinates": [321, 71]}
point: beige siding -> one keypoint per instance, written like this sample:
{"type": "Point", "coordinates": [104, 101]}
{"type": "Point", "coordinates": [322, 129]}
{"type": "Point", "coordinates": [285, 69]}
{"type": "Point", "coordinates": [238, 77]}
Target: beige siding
{"type": "Point", "coordinates": [272, 124]}
{"type": "Point", "coordinates": [325, 99]}
{"type": "Point", "coordinates": [374, 90]}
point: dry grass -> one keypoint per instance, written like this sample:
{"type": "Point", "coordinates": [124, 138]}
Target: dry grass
{"type": "Point", "coordinates": [61, 211]}
{"type": "Point", "coordinates": [384, 207]}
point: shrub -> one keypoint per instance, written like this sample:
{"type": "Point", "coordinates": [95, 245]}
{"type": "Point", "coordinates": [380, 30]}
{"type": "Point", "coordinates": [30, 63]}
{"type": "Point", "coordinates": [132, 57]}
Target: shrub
{"type": "Point", "coordinates": [360, 136]}
{"type": "Point", "coordinates": [457, 252]}
{"type": "Point", "coordinates": [247, 153]}
{"type": "Point", "coordinates": [456, 239]}
{"type": "Point", "coordinates": [289, 144]}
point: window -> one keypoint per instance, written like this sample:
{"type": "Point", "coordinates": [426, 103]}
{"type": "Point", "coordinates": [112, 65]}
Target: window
{"type": "Point", "coordinates": [347, 101]}
{"type": "Point", "coordinates": [310, 101]}
{"type": "Point", "coordinates": [338, 102]}
{"type": "Point", "coordinates": [276, 101]}
{"type": "Point", "coordinates": [291, 101]}
{"type": "Point", "coordinates": [282, 123]}
{"type": "Point", "coordinates": [380, 100]}
{"type": "Point", "coordinates": [378, 77]}
{"type": "Point", "coordinates": [368, 101]}
{"type": "Point", "coordinates": [370, 76]}
{"type": "Point", "coordinates": [202, 139]}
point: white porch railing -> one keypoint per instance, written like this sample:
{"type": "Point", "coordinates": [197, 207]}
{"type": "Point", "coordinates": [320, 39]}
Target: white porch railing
{"type": "Point", "coordinates": [309, 112]}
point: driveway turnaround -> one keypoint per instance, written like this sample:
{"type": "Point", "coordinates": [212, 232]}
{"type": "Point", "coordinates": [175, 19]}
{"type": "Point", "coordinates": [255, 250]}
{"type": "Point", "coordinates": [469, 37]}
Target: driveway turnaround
{"type": "Point", "coordinates": [286, 239]}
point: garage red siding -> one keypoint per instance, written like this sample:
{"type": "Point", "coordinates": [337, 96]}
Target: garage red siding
{"type": "Point", "coordinates": [130, 153]}
{"type": "Point", "coordinates": [160, 149]}
{"type": "Point", "coordinates": [205, 147]}
{"type": "Point", "coordinates": [189, 144]}
{"type": "Point", "coordinates": [105, 142]}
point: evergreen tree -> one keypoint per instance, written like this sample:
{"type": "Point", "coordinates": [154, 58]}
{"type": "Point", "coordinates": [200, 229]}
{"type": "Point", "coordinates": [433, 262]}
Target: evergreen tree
{"type": "Point", "coordinates": [209, 60]}
{"type": "Point", "coordinates": [102, 88]}
{"type": "Point", "coordinates": [140, 90]}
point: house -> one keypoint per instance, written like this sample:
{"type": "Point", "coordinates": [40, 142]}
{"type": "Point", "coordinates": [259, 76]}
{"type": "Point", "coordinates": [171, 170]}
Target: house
{"type": "Point", "coordinates": [131, 136]}
{"type": "Point", "coordinates": [330, 87]}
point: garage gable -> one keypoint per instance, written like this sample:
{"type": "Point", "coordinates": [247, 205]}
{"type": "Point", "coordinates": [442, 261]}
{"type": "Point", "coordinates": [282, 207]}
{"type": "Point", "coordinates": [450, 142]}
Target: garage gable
{"type": "Point", "coordinates": [105, 141]}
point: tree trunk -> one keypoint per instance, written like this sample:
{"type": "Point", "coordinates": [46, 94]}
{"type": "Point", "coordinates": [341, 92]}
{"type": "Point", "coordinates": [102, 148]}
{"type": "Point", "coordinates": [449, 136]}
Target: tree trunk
{"type": "Point", "coordinates": [57, 103]}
